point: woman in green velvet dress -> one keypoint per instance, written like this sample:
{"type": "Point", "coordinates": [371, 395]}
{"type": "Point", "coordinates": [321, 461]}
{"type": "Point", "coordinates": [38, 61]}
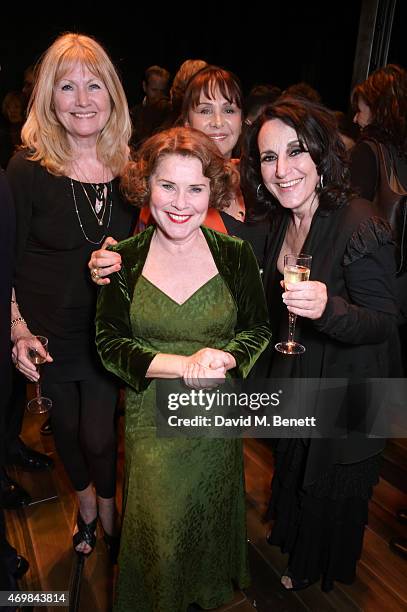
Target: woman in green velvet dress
{"type": "Point", "coordinates": [187, 303]}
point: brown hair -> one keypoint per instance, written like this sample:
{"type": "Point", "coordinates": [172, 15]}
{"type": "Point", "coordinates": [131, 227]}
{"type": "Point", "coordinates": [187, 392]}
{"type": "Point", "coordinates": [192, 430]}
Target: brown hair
{"type": "Point", "coordinates": [185, 73]}
{"type": "Point", "coordinates": [185, 142]}
{"type": "Point", "coordinates": [156, 71]}
{"type": "Point", "coordinates": [385, 93]}
{"type": "Point", "coordinates": [206, 81]}
{"type": "Point", "coordinates": [44, 135]}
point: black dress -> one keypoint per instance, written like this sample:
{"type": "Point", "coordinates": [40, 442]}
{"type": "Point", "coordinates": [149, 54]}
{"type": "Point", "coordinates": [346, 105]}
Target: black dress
{"type": "Point", "coordinates": [53, 287]}
{"type": "Point", "coordinates": [364, 167]}
{"type": "Point", "coordinates": [321, 487]}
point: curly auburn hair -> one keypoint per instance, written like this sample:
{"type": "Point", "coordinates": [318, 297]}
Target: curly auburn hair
{"type": "Point", "coordinates": [385, 93]}
{"type": "Point", "coordinates": [317, 133]}
{"type": "Point", "coordinates": [186, 142]}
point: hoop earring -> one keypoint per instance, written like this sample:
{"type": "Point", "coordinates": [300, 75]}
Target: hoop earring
{"type": "Point", "coordinates": [321, 181]}
{"type": "Point", "coordinates": [259, 186]}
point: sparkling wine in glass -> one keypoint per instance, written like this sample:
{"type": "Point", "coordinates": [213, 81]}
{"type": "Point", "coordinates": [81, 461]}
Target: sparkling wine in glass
{"type": "Point", "coordinates": [297, 268]}
{"type": "Point", "coordinates": [39, 404]}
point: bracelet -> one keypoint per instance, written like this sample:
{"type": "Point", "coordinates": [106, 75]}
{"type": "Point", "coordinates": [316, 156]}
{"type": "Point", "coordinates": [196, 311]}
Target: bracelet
{"type": "Point", "coordinates": [17, 321]}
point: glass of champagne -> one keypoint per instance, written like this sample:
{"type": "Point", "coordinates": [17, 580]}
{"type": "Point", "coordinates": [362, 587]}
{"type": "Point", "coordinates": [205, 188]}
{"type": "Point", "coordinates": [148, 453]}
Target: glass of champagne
{"type": "Point", "coordinates": [297, 268]}
{"type": "Point", "coordinates": [39, 404]}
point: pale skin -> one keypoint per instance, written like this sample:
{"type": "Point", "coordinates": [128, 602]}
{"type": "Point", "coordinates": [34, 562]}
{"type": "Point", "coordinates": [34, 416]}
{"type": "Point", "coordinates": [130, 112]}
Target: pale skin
{"type": "Point", "coordinates": [363, 115]}
{"type": "Point", "coordinates": [290, 174]}
{"type": "Point", "coordinates": [222, 122]}
{"type": "Point", "coordinates": [82, 105]}
{"type": "Point", "coordinates": [179, 202]}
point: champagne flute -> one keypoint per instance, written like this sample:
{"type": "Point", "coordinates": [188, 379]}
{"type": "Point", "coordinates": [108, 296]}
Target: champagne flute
{"type": "Point", "coordinates": [39, 404]}
{"type": "Point", "coordinates": [297, 268]}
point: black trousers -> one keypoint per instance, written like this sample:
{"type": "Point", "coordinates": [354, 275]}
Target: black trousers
{"type": "Point", "coordinates": [83, 425]}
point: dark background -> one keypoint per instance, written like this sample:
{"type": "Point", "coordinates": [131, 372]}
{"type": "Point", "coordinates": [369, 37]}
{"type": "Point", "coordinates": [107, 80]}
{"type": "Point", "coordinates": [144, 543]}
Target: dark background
{"type": "Point", "coordinates": [279, 43]}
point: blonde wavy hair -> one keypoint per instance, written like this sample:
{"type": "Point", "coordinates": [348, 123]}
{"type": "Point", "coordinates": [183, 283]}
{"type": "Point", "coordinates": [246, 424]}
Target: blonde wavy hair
{"type": "Point", "coordinates": [45, 137]}
{"type": "Point", "coordinates": [185, 142]}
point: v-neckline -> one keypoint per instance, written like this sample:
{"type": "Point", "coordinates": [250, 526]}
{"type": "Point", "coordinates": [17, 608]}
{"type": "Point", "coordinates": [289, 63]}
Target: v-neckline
{"type": "Point", "coordinates": [172, 299]}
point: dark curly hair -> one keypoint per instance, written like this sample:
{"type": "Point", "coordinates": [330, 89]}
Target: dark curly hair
{"type": "Point", "coordinates": [317, 133]}
{"type": "Point", "coordinates": [385, 93]}
{"type": "Point", "coordinates": [187, 142]}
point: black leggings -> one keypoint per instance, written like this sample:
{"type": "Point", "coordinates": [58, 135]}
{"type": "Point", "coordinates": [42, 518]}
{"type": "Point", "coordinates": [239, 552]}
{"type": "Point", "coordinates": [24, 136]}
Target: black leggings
{"type": "Point", "coordinates": [82, 420]}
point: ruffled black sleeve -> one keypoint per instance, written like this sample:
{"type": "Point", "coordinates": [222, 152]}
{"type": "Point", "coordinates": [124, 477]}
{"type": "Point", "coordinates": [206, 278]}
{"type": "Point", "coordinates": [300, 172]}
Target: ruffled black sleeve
{"type": "Point", "coordinates": [368, 315]}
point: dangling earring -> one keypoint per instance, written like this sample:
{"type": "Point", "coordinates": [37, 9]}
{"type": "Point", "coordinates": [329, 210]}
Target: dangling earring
{"type": "Point", "coordinates": [321, 181]}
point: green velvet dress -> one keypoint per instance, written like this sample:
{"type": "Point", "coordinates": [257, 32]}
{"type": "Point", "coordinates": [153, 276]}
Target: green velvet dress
{"type": "Point", "coordinates": [184, 516]}
{"type": "Point", "coordinates": [183, 534]}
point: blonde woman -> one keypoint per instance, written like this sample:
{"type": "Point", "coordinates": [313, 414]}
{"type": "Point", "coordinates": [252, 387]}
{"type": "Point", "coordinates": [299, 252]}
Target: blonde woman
{"type": "Point", "coordinates": [65, 186]}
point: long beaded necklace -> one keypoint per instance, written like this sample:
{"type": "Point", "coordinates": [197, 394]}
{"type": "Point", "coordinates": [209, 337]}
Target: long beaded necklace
{"type": "Point", "coordinates": [109, 197]}
{"type": "Point", "coordinates": [100, 189]}
{"type": "Point", "coordinates": [100, 203]}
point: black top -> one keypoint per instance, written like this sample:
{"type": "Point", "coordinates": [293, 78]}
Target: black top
{"type": "Point", "coordinates": [54, 291]}
{"type": "Point", "coordinates": [356, 337]}
{"type": "Point", "coordinates": [364, 167]}
{"type": "Point", "coordinates": [254, 233]}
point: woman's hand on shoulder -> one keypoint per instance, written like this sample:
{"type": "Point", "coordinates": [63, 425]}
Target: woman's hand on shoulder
{"type": "Point", "coordinates": [103, 262]}
{"type": "Point", "coordinates": [307, 299]}
{"type": "Point", "coordinates": [23, 340]}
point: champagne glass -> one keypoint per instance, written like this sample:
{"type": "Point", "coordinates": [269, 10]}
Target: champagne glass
{"type": "Point", "coordinates": [39, 404]}
{"type": "Point", "coordinates": [297, 268]}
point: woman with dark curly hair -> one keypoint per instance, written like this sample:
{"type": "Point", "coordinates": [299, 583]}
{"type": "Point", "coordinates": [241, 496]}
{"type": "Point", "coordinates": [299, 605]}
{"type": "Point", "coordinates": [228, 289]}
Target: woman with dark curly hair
{"type": "Point", "coordinates": [380, 105]}
{"type": "Point", "coordinates": [187, 303]}
{"type": "Point", "coordinates": [294, 161]}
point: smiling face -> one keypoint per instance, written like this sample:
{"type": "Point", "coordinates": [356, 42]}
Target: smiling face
{"type": "Point", "coordinates": [82, 104]}
{"type": "Point", "coordinates": [179, 197]}
{"type": "Point", "coordinates": [288, 172]}
{"type": "Point", "coordinates": [363, 115]}
{"type": "Point", "coordinates": [218, 119]}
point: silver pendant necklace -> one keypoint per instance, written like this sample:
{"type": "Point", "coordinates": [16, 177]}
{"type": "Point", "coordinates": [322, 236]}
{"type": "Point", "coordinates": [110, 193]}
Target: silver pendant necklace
{"type": "Point", "coordinates": [100, 189]}
{"type": "Point", "coordinates": [98, 205]}
{"type": "Point", "coordinates": [109, 197]}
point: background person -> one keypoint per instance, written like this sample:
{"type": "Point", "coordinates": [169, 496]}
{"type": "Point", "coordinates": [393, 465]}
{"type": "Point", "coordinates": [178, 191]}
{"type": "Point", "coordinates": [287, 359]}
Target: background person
{"type": "Point", "coordinates": [212, 104]}
{"type": "Point", "coordinates": [380, 103]}
{"type": "Point", "coordinates": [12, 565]}
{"type": "Point", "coordinates": [148, 116]}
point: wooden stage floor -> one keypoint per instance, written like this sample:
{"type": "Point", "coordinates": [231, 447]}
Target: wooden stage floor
{"type": "Point", "coordinates": [42, 532]}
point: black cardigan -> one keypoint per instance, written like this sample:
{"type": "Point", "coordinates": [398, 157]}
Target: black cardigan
{"type": "Point", "coordinates": [353, 254]}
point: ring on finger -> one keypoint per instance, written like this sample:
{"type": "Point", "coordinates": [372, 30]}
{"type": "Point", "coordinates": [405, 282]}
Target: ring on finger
{"type": "Point", "coordinates": [95, 274]}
